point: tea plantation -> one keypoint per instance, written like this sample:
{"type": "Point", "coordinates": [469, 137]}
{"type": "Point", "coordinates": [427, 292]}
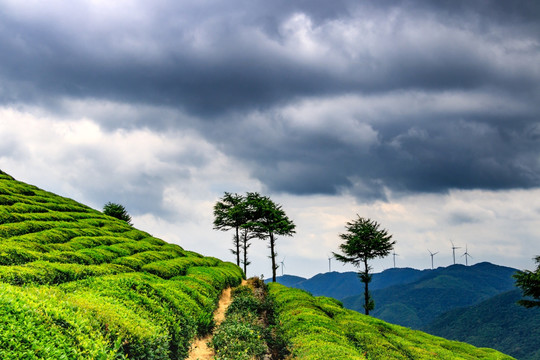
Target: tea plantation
{"type": "Point", "coordinates": [320, 328]}
{"type": "Point", "coordinates": [77, 284]}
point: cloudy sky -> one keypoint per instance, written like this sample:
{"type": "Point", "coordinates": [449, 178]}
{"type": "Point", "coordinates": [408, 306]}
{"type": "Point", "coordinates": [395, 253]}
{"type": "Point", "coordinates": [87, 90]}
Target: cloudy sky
{"type": "Point", "coordinates": [420, 115]}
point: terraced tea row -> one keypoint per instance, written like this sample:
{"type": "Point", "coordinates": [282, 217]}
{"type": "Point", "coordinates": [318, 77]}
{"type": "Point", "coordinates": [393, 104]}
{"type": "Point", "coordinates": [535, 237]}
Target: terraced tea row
{"type": "Point", "coordinates": [320, 328]}
{"type": "Point", "coordinates": [77, 284]}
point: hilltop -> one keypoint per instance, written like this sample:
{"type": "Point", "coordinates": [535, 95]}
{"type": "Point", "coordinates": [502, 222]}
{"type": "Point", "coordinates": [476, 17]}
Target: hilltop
{"type": "Point", "coordinates": [77, 284]}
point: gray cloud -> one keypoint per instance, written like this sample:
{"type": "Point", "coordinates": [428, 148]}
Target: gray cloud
{"type": "Point", "coordinates": [231, 71]}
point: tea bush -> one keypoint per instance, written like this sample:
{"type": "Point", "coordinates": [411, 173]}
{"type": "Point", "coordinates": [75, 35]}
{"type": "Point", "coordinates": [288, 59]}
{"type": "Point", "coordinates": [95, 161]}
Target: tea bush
{"type": "Point", "coordinates": [320, 328]}
{"type": "Point", "coordinates": [167, 269]}
{"type": "Point", "coordinates": [77, 284]}
{"type": "Point", "coordinates": [249, 330]}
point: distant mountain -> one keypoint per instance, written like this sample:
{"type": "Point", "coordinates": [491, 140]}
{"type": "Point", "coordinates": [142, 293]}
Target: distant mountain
{"type": "Point", "coordinates": [498, 323]}
{"type": "Point", "coordinates": [340, 285]}
{"type": "Point", "coordinates": [418, 303]}
{"type": "Point", "coordinates": [289, 280]}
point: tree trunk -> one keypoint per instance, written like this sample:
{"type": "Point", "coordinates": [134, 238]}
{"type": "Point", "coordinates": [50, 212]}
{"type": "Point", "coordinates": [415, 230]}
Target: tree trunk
{"type": "Point", "coordinates": [273, 256]}
{"type": "Point", "coordinates": [245, 253]}
{"type": "Point", "coordinates": [366, 292]}
{"type": "Point", "coordinates": [237, 248]}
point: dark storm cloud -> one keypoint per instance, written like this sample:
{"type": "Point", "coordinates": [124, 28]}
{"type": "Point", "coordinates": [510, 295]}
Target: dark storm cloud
{"type": "Point", "coordinates": [221, 56]}
{"type": "Point", "coordinates": [230, 69]}
{"type": "Point", "coordinates": [424, 155]}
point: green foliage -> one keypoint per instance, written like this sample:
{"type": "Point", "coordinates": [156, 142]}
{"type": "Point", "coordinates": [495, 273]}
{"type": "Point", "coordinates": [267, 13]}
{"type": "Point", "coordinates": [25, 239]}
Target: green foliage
{"type": "Point", "coordinates": [219, 277]}
{"type": "Point", "coordinates": [252, 216]}
{"type": "Point", "coordinates": [167, 269]}
{"type": "Point", "coordinates": [78, 284]}
{"type": "Point", "coordinates": [320, 328]}
{"type": "Point", "coordinates": [416, 304]}
{"type": "Point", "coordinates": [499, 323]}
{"type": "Point", "coordinates": [364, 241]}
{"type": "Point", "coordinates": [267, 220]}
{"type": "Point", "coordinates": [43, 272]}
{"type": "Point", "coordinates": [529, 282]}
{"type": "Point", "coordinates": [37, 323]}
{"type": "Point", "coordinates": [249, 330]}
{"type": "Point", "coordinates": [230, 213]}
{"type": "Point", "coordinates": [117, 211]}
{"type": "Point", "coordinates": [138, 260]}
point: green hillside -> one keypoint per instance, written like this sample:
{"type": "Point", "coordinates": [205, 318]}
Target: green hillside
{"type": "Point", "coordinates": [416, 304]}
{"type": "Point", "coordinates": [499, 323]}
{"type": "Point", "coordinates": [320, 328]}
{"type": "Point", "coordinates": [75, 283]}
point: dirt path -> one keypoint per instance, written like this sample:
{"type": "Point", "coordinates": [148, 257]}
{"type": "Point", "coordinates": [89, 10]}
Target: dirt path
{"type": "Point", "coordinates": [199, 349]}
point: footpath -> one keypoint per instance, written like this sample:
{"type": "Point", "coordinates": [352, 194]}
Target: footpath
{"type": "Point", "coordinates": [200, 349]}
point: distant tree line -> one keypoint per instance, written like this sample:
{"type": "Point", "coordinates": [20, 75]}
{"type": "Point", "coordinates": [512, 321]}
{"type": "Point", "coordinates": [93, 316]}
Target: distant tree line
{"type": "Point", "coordinates": [252, 216]}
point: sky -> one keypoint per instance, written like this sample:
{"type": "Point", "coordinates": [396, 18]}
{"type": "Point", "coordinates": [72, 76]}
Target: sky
{"type": "Point", "coordinates": [420, 115]}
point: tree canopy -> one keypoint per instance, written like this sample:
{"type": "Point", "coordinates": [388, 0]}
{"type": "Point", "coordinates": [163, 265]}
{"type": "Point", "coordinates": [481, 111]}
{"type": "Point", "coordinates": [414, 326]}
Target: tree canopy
{"type": "Point", "coordinates": [230, 213]}
{"type": "Point", "coordinates": [252, 215]}
{"type": "Point", "coordinates": [118, 211]}
{"type": "Point", "coordinates": [268, 220]}
{"type": "Point", "coordinates": [529, 282]}
{"type": "Point", "coordinates": [364, 241]}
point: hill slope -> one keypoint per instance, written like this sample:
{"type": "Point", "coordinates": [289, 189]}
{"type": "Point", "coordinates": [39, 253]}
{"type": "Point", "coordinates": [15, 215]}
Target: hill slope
{"type": "Point", "coordinates": [77, 284]}
{"type": "Point", "coordinates": [498, 322]}
{"type": "Point", "coordinates": [320, 328]}
{"type": "Point", "coordinates": [437, 291]}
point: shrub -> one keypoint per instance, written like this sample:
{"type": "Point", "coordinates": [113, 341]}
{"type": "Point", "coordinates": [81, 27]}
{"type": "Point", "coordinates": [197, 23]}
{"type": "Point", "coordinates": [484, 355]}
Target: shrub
{"type": "Point", "coordinates": [220, 277]}
{"type": "Point", "coordinates": [117, 211]}
{"type": "Point", "coordinates": [42, 272]}
{"type": "Point", "coordinates": [167, 269]}
{"type": "Point", "coordinates": [37, 323]}
{"type": "Point", "coordinates": [16, 255]}
{"type": "Point", "coordinates": [138, 260]}
{"type": "Point", "coordinates": [8, 230]}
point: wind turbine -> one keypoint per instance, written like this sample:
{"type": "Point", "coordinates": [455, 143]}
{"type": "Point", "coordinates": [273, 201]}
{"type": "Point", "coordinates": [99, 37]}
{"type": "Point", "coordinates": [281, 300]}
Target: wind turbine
{"type": "Point", "coordinates": [432, 255]}
{"type": "Point", "coordinates": [466, 254]}
{"type": "Point", "coordinates": [454, 251]}
{"type": "Point", "coordinates": [394, 255]}
{"type": "Point", "coordinates": [330, 263]}
{"type": "Point", "coordinates": [282, 262]}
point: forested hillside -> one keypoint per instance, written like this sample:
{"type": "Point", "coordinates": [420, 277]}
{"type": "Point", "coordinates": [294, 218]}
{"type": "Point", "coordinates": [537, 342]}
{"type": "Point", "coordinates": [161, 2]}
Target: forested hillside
{"type": "Point", "coordinates": [437, 291]}
{"type": "Point", "coordinates": [498, 322]}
